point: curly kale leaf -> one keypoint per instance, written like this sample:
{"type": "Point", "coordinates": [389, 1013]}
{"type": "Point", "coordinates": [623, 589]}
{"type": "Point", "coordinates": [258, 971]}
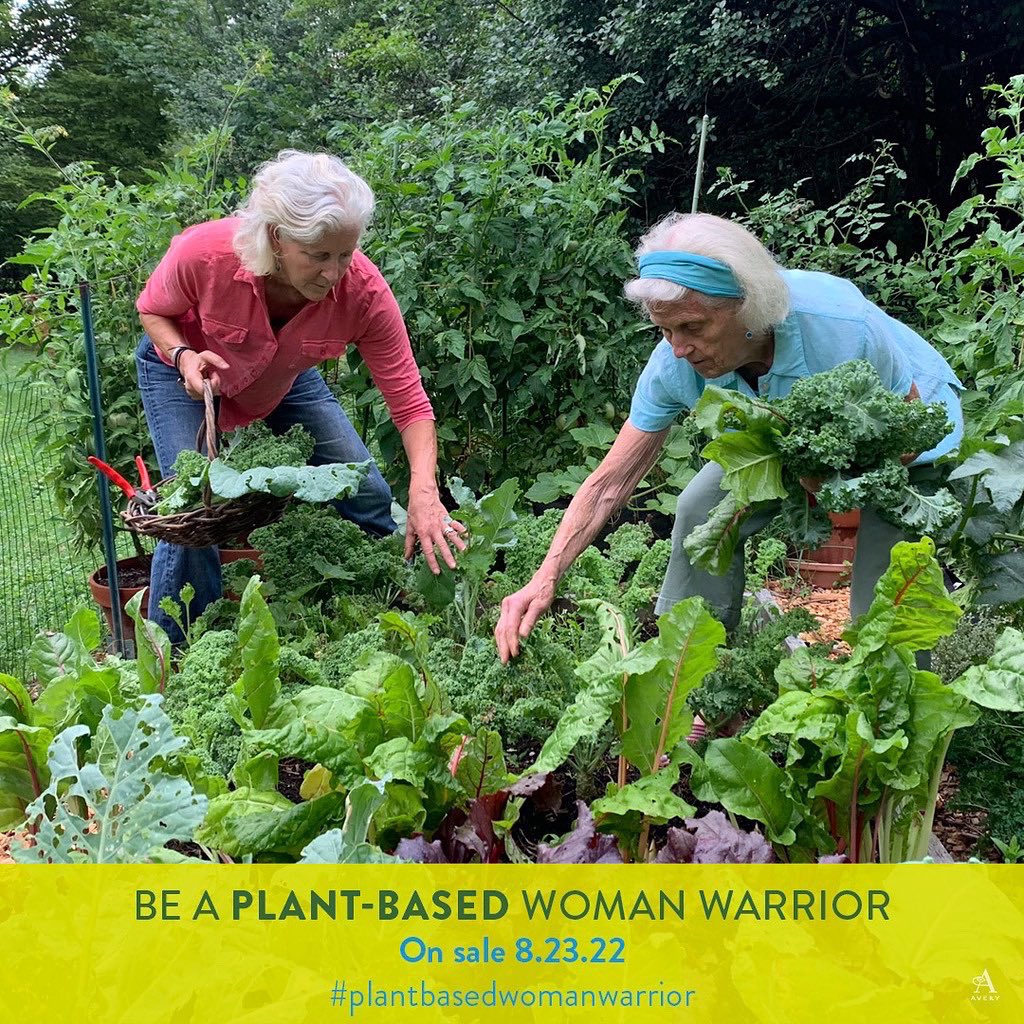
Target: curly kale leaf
{"type": "Point", "coordinates": [257, 445]}
{"type": "Point", "coordinates": [196, 700]}
{"type": "Point", "coordinates": [186, 489]}
{"type": "Point", "coordinates": [842, 427]}
{"type": "Point", "coordinates": [744, 680]}
{"type": "Point", "coordinates": [309, 540]}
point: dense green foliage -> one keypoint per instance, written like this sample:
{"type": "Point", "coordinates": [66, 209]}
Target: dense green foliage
{"type": "Point", "coordinates": [841, 428]}
{"type": "Point", "coordinates": [744, 681]}
{"type": "Point", "coordinates": [504, 222]}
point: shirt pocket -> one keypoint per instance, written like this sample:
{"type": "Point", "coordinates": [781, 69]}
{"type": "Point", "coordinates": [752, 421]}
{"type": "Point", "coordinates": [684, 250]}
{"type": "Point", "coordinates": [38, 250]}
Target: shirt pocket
{"type": "Point", "coordinates": [218, 332]}
{"type": "Point", "coordinates": [316, 351]}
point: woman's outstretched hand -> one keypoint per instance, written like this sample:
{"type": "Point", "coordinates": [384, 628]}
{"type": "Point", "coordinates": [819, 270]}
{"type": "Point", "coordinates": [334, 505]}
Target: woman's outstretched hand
{"type": "Point", "coordinates": [428, 521]}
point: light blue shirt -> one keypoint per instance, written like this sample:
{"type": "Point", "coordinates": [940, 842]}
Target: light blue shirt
{"type": "Point", "coordinates": [829, 322]}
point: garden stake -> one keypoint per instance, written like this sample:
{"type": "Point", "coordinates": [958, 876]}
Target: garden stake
{"type": "Point", "coordinates": [700, 162]}
{"type": "Point", "coordinates": [99, 443]}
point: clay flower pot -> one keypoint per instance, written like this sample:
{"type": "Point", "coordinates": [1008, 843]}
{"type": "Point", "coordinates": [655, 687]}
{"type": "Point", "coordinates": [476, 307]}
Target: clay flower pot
{"type": "Point", "coordinates": [828, 567]}
{"type": "Point", "coordinates": [132, 576]}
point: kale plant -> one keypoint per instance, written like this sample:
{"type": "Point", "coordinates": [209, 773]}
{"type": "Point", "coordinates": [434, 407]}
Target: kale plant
{"type": "Point", "coordinates": [312, 552]}
{"type": "Point", "coordinates": [841, 427]}
{"type": "Point", "coordinates": [744, 681]}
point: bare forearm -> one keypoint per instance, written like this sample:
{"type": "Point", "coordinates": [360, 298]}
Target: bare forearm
{"type": "Point", "coordinates": [420, 442]}
{"type": "Point", "coordinates": [163, 332]}
{"type": "Point", "coordinates": [602, 494]}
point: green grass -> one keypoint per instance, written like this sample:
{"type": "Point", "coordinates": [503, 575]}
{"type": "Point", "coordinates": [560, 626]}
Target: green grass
{"type": "Point", "coordinates": [42, 578]}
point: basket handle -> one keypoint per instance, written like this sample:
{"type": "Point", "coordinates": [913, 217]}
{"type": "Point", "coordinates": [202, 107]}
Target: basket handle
{"type": "Point", "coordinates": [208, 435]}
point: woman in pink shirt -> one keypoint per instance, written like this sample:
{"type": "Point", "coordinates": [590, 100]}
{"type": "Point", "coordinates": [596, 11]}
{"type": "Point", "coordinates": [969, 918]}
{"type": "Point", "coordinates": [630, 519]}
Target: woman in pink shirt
{"type": "Point", "coordinates": [254, 303]}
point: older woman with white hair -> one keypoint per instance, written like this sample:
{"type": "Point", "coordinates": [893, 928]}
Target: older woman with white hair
{"type": "Point", "coordinates": [729, 314]}
{"type": "Point", "coordinates": [253, 303]}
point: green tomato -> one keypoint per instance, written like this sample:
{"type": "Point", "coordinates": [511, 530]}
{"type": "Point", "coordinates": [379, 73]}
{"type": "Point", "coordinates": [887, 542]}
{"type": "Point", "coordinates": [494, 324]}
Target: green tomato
{"type": "Point", "coordinates": [609, 411]}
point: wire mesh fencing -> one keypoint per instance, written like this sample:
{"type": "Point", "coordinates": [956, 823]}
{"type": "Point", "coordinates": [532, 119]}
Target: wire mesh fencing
{"type": "Point", "coordinates": [43, 579]}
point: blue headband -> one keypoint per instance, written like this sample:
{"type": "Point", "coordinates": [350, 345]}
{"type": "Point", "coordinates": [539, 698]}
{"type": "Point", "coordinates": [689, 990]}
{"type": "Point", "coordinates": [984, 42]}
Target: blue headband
{"type": "Point", "coordinates": [701, 273]}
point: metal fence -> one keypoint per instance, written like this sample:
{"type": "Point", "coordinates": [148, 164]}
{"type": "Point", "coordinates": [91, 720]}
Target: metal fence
{"type": "Point", "coordinates": [42, 580]}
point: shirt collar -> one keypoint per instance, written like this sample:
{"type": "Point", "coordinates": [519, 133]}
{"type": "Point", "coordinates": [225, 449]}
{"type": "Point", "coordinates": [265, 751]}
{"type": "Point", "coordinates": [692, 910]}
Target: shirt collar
{"type": "Point", "coordinates": [241, 274]}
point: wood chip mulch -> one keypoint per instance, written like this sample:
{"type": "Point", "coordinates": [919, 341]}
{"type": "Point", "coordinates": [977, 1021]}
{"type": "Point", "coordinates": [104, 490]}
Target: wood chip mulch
{"type": "Point", "coordinates": [830, 607]}
{"type": "Point", "coordinates": [960, 830]}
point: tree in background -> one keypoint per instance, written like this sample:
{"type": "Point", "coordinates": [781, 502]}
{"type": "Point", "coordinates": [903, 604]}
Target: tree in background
{"type": "Point", "coordinates": [792, 86]}
{"type": "Point", "coordinates": [61, 58]}
{"type": "Point", "coordinates": [303, 65]}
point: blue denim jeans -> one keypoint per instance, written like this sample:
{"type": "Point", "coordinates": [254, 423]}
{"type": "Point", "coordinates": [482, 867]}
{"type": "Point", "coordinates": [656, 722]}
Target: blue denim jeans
{"type": "Point", "coordinates": [174, 420]}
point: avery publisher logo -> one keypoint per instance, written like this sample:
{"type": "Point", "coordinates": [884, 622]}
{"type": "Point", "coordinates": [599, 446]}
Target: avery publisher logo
{"type": "Point", "coordinates": [984, 990]}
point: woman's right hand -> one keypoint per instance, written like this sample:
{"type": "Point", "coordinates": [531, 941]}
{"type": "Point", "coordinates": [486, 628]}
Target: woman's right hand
{"type": "Point", "coordinates": [195, 367]}
{"type": "Point", "coordinates": [519, 614]}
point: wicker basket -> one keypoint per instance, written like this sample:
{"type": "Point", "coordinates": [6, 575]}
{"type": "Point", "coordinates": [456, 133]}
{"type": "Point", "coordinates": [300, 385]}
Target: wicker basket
{"type": "Point", "coordinates": [210, 524]}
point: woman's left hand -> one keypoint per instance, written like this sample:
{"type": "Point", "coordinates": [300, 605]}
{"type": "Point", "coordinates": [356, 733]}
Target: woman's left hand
{"type": "Point", "coordinates": [428, 521]}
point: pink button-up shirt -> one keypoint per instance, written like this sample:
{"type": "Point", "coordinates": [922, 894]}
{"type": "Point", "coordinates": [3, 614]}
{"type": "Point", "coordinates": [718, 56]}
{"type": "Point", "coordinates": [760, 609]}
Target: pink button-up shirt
{"type": "Point", "coordinates": [220, 307]}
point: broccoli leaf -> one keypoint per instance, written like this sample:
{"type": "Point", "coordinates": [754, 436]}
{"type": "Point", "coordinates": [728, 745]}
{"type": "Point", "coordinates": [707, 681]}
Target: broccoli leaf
{"type": "Point", "coordinates": [135, 807]}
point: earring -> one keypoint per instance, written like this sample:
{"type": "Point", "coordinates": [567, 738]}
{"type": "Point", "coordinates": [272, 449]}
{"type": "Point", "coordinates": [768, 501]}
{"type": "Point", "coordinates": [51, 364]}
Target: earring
{"type": "Point", "coordinates": [277, 262]}
{"type": "Point", "coordinates": [750, 335]}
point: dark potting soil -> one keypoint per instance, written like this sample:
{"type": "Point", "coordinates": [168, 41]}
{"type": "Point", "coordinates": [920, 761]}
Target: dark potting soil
{"type": "Point", "coordinates": [186, 849]}
{"type": "Point", "coordinates": [128, 577]}
{"type": "Point", "coordinates": [290, 773]}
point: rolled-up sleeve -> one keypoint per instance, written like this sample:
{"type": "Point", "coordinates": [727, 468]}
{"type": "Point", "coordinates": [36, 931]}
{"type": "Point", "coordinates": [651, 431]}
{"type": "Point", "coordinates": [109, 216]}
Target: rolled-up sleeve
{"type": "Point", "coordinates": [385, 348]}
{"type": "Point", "coordinates": [171, 289]}
{"type": "Point", "coordinates": [654, 407]}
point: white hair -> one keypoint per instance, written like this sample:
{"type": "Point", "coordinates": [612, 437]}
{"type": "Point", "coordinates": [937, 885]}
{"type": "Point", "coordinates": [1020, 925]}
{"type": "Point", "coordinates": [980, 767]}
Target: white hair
{"type": "Point", "coordinates": [765, 301]}
{"type": "Point", "coordinates": [303, 196]}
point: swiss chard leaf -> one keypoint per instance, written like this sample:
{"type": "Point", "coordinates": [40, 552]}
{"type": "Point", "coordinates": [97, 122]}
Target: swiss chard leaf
{"type": "Point", "coordinates": [153, 648]}
{"type": "Point", "coordinates": [247, 822]}
{"type": "Point", "coordinates": [752, 466]}
{"type": "Point", "coordinates": [601, 690]}
{"type": "Point", "coordinates": [664, 670]}
{"type": "Point", "coordinates": [259, 649]}
{"type": "Point", "coordinates": [748, 782]}
{"type": "Point", "coordinates": [348, 844]}
{"type": "Point", "coordinates": [910, 607]}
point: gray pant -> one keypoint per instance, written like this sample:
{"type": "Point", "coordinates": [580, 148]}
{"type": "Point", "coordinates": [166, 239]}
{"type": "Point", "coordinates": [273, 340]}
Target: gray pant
{"type": "Point", "coordinates": [875, 540]}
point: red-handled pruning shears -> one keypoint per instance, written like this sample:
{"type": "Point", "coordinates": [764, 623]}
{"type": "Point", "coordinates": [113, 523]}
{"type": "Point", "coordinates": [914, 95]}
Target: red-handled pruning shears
{"type": "Point", "coordinates": [145, 496]}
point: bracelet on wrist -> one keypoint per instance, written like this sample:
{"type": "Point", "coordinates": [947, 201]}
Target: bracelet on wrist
{"type": "Point", "coordinates": [176, 355]}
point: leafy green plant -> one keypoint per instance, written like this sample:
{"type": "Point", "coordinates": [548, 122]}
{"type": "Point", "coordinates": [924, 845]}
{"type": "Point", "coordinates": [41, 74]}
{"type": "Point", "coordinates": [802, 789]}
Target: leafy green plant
{"type": "Point", "coordinates": [501, 235]}
{"type": "Point", "coordinates": [864, 740]}
{"type": "Point", "coordinates": [75, 690]}
{"type": "Point", "coordinates": [643, 693]}
{"type": "Point", "coordinates": [841, 427]}
{"type": "Point", "coordinates": [109, 234]}
{"type": "Point", "coordinates": [658, 491]}
{"type": "Point", "coordinates": [744, 681]}
{"type": "Point", "coordinates": [131, 807]}
{"type": "Point", "coordinates": [489, 520]}
{"type": "Point", "coordinates": [1013, 852]}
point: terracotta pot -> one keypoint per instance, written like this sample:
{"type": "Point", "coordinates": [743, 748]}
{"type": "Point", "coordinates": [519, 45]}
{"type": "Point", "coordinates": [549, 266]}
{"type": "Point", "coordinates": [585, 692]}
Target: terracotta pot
{"type": "Point", "coordinates": [829, 565]}
{"type": "Point", "coordinates": [824, 575]}
{"type": "Point", "coordinates": [127, 570]}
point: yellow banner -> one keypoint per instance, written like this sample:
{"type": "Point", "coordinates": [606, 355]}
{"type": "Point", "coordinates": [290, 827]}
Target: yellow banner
{"type": "Point", "coordinates": [281, 944]}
